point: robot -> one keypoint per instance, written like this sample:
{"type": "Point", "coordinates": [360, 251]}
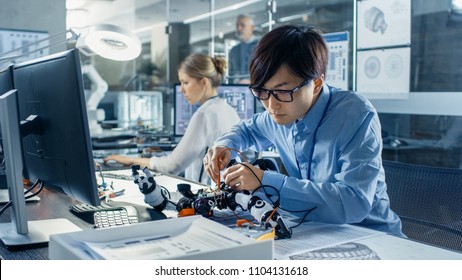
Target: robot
{"type": "Point", "coordinates": [204, 203]}
{"type": "Point", "coordinates": [154, 195]}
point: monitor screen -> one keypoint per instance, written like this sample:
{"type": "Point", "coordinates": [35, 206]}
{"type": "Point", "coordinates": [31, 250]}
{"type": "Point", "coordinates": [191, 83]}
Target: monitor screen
{"type": "Point", "coordinates": [237, 95]}
{"type": "Point", "coordinates": [60, 153]}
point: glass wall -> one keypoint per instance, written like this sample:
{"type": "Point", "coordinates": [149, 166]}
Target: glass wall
{"type": "Point", "coordinates": [423, 126]}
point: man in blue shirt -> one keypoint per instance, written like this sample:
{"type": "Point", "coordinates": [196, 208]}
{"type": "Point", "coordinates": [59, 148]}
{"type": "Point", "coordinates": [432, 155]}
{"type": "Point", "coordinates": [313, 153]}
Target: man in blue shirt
{"type": "Point", "coordinates": [329, 140]}
{"type": "Point", "coordinates": [239, 55]}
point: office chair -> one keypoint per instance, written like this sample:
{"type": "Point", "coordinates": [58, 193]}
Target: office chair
{"type": "Point", "coordinates": [428, 200]}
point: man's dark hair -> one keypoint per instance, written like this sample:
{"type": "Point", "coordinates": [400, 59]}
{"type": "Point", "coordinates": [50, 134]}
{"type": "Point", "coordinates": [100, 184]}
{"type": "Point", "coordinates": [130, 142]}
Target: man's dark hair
{"type": "Point", "coordinates": [301, 48]}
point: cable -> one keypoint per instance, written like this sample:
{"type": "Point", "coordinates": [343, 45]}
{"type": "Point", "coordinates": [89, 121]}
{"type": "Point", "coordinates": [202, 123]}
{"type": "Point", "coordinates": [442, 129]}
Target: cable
{"type": "Point", "coordinates": [259, 181]}
{"type": "Point", "coordinates": [304, 216]}
{"type": "Point", "coordinates": [276, 204]}
{"type": "Point", "coordinates": [172, 202]}
{"type": "Point", "coordinates": [9, 203]}
{"type": "Point", "coordinates": [218, 163]}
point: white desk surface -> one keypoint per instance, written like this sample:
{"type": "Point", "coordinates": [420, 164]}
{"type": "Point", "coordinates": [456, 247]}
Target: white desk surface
{"type": "Point", "coordinates": [309, 236]}
{"type": "Point", "coordinates": [132, 193]}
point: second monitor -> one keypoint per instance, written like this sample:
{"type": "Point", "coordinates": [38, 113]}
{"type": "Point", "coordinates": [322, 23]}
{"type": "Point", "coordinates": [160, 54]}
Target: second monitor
{"type": "Point", "coordinates": [237, 95]}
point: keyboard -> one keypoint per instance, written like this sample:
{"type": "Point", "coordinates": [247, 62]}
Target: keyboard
{"type": "Point", "coordinates": [115, 213]}
{"type": "Point", "coordinates": [113, 166]}
{"type": "Point", "coordinates": [116, 217]}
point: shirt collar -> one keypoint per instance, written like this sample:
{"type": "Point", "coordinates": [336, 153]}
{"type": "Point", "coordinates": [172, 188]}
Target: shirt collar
{"type": "Point", "coordinates": [251, 40]}
{"type": "Point", "coordinates": [314, 116]}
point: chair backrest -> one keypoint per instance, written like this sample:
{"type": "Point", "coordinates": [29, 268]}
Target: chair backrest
{"type": "Point", "coordinates": [428, 200]}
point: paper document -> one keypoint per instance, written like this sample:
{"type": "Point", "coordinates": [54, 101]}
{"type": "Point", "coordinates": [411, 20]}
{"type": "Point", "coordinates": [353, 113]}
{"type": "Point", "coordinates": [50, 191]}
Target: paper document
{"type": "Point", "coordinates": [311, 236]}
{"type": "Point", "coordinates": [201, 236]}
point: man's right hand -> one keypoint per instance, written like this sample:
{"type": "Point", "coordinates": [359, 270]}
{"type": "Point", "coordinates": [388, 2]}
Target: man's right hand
{"type": "Point", "coordinates": [216, 159]}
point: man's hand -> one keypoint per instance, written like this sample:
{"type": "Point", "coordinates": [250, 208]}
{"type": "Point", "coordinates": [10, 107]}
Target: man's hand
{"type": "Point", "coordinates": [216, 159]}
{"type": "Point", "coordinates": [240, 177]}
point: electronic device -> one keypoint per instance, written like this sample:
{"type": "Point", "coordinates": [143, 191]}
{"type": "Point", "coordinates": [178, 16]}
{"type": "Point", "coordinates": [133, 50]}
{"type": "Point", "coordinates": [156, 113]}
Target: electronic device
{"type": "Point", "coordinates": [112, 166]}
{"type": "Point", "coordinates": [121, 141]}
{"type": "Point", "coordinates": [193, 237]}
{"type": "Point", "coordinates": [237, 95]}
{"type": "Point", "coordinates": [54, 142]}
{"type": "Point", "coordinates": [155, 195]}
{"type": "Point", "coordinates": [6, 84]}
{"type": "Point", "coordinates": [115, 213]}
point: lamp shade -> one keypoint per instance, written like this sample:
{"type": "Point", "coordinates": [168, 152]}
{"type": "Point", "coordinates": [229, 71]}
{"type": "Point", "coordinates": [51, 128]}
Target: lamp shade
{"type": "Point", "coordinates": [110, 41]}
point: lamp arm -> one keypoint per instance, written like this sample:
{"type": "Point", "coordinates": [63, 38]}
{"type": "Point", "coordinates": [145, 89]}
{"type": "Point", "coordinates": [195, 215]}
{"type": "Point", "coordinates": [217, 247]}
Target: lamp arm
{"type": "Point", "coordinates": [97, 94]}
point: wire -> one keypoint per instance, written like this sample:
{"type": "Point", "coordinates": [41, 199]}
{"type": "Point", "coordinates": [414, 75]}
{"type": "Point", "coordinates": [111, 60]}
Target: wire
{"type": "Point", "coordinates": [259, 181]}
{"type": "Point", "coordinates": [268, 196]}
{"type": "Point", "coordinates": [218, 163]}
{"type": "Point", "coordinates": [32, 187]}
{"type": "Point", "coordinates": [276, 204]}
{"type": "Point", "coordinates": [9, 203]}
{"type": "Point", "coordinates": [304, 216]}
{"type": "Point", "coordinates": [172, 202]}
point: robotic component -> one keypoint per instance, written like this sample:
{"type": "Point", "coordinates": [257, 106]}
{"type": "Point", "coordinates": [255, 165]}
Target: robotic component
{"type": "Point", "coordinates": [154, 195]}
{"type": "Point", "coordinates": [262, 211]}
{"type": "Point", "coordinates": [191, 204]}
{"type": "Point", "coordinates": [99, 89]}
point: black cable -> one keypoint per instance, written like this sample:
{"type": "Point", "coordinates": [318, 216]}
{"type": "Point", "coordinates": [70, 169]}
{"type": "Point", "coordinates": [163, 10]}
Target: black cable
{"type": "Point", "coordinates": [167, 197]}
{"type": "Point", "coordinates": [9, 203]}
{"type": "Point", "coordinates": [251, 171]}
{"type": "Point", "coordinates": [174, 204]}
{"type": "Point", "coordinates": [268, 196]}
{"type": "Point", "coordinates": [304, 216]}
{"type": "Point", "coordinates": [277, 202]}
{"type": "Point", "coordinates": [32, 187]}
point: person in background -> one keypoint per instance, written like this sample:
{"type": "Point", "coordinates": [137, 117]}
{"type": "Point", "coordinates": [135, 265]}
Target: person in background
{"type": "Point", "coordinates": [200, 75]}
{"type": "Point", "coordinates": [328, 139]}
{"type": "Point", "coordinates": [239, 55]}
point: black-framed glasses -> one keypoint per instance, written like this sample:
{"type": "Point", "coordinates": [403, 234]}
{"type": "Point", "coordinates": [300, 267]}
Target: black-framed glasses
{"type": "Point", "coordinates": [282, 95]}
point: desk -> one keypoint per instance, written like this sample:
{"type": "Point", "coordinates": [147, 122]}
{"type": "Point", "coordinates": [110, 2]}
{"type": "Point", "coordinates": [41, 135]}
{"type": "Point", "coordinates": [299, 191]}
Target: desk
{"type": "Point", "coordinates": [55, 205]}
{"type": "Point", "coordinates": [51, 205]}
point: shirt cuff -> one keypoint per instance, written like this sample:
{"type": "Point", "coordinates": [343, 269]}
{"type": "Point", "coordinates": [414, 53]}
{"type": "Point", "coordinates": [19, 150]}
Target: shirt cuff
{"type": "Point", "coordinates": [152, 163]}
{"type": "Point", "coordinates": [273, 179]}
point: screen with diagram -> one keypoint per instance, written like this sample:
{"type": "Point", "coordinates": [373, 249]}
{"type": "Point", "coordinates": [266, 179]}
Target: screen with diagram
{"type": "Point", "coordinates": [237, 95]}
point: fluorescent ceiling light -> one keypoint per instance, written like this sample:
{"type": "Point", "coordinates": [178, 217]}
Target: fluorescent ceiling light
{"type": "Point", "coordinates": [220, 11]}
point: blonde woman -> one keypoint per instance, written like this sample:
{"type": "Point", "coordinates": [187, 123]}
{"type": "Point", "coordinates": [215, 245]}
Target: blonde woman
{"type": "Point", "coordinates": [200, 75]}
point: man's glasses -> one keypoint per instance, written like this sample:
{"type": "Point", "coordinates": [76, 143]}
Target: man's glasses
{"type": "Point", "coordinates": [282, 95]}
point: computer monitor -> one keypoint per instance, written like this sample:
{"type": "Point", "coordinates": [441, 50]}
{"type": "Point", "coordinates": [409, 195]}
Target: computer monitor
{"type": "Point", "coordinates": [55, 147]}
{"type": "Point", "coordinates": [237, 95]}
{"type": "Point", "coordinates": [6, 84]}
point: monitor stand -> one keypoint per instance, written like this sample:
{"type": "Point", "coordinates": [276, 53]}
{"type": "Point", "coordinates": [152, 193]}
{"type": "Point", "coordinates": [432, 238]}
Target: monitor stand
{"type": "Point", "coordinates": [38, 235]}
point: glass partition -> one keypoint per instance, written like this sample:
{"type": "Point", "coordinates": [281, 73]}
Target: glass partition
{"type": "Point", "coordinates": [428, 116]}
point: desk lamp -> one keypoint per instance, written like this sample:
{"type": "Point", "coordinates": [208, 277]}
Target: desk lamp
{"type": "Point", "coordinates": [106, 40]}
